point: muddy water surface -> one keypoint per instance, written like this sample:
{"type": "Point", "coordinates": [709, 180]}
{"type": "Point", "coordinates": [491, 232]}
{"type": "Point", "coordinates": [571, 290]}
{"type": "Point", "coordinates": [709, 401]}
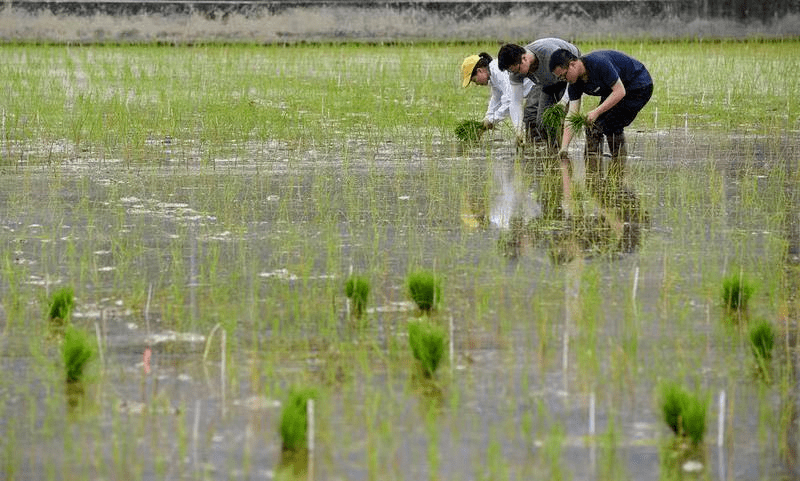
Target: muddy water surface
{"type": "Point", "coordinates": [566, 311]}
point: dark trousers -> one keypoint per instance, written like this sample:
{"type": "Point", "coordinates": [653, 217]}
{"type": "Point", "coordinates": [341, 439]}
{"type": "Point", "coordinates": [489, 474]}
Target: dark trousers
{"type": "Point", "coordinates": [621, 115]}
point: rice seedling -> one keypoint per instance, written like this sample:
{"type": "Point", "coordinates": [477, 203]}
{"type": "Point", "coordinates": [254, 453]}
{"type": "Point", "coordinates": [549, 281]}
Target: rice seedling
{"type": "Point", "coordinates": [684, 412]}
{"type": "Point", "coordinates": [554, 116]}
{"type": "Point", "coordinates": [77, 351]}
{"type": "Point", "coordinates": [294, 419]}
{"type": "Point", "coordinates": [577, 122]}
{"type": "Point", "coordinates": [428, 343]}
{"type": "Point", "coordinates": [469, 130]}
{"type": "Point", "coordinates": [736, 292]}
{"type": "Point", "coordinates": [425, 289]}
{"type": "Point", "coordinates": [357, 290]}
{"type": "Point", "coordinates": [762, 341]}
{"type": "Point", "coordinates": [61, 305]}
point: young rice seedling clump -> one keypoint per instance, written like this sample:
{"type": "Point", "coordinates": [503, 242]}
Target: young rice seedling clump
{"type": "Point", "coordinates": [684, 412]}
{"type": "Point", "coordinates": [427, 341]}
{"type": "Point", "coordinates": [762, 341]}
{"type": "Point", "coordinates": [425, 289]}
{"type": "Point", "coordinates": [554, 116]}
{"type": "Point", "coordinates": [578, 122]}
{"type": "Point", "coordinates": [294, 419]}
{"type": "Point", "coordinates": [736, 292]}
{"type": "Point", "coordinates": [77, 351]}
{"type": "Point", "coordinates": [469, 130]}
{"type": "Point", "coordinates": [61, 304]}
{"type": "Point", "coordinates": [357, 290]}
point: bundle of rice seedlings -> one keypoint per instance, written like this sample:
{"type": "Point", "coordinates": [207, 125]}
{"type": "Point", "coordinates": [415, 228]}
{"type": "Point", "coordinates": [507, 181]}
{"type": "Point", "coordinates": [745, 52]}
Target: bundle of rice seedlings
{"type": "Point", "coordinates": [357, 290]}
{"type": "Point", "coordinates": [77, 351]}
{"type": "Point", "coordinates": [294, 419]}
{"type": "Point", "coordinates": [469, 130]}
{"type": "Point", "coordinates": [427, 341]}
{"type": "Point", "coordinates": [762, 341]}
{"type": "Point", "coordinates": [554, 116]}
{"type": "Point", "coordinates": [736, 292]}
{"type": "Point", "coordinates": [61, 305]}
{"type": "Point", "coordinates": [578, 122]}
{"type": "Point", "coordinates": [684, 412]}
{"type": "Point", "coordinates": [424, 289]}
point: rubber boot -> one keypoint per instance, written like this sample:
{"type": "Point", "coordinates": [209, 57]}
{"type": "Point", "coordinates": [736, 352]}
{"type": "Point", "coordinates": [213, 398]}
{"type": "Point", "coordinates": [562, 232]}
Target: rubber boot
{"type": "Point", "coordinates": [619, 154]}
{"type": "Point", "coordinates": [592, 155]}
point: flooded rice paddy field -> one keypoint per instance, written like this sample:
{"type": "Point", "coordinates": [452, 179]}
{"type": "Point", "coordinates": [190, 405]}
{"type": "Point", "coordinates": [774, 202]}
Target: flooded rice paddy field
{"type": "Point", "coordinates": [565, 314]}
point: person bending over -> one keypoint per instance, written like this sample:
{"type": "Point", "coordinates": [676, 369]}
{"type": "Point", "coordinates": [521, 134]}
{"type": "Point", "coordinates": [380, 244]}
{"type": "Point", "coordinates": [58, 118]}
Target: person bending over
{"type": "Point", "coordinates": [481, 69]}
{"type": "Point", "coordinates": [624, 86]}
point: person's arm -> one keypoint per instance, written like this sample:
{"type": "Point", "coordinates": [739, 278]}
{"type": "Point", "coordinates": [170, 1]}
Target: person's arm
{"type": "Point", "coordinates": [564, 100]}
{"type": "Point", "coordinates": [494, 102]}
{"type": "Point", "coordinates": [617, 93]}
{"type": "Point", "coordinates": [567, 134]}
{"type": "Point", "coordinates": [500, 103]}
{"type": "Point", "coordinates": [515, 108]}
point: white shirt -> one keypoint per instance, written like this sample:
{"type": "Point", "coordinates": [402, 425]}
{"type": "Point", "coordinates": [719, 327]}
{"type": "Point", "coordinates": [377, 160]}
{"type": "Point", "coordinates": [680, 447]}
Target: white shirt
{"type": "Point", "coordinates": [502, 95]}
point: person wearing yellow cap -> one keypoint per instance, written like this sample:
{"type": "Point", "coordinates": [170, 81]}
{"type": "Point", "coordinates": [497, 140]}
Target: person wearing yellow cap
{"type": "Point", "coordinates": [481, 69]}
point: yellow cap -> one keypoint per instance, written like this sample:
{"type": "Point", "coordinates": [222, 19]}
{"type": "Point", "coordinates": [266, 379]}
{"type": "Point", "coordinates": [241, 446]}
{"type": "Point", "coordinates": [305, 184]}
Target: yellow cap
{"type": "Point", "coordinates": [466, 69]}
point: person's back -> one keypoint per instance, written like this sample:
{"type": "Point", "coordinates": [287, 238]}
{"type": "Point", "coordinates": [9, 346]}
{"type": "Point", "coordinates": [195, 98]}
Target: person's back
{"type": "Point", "coordinates": [543, 48]}
{"type": "Point", "coordinates": [605, 66]}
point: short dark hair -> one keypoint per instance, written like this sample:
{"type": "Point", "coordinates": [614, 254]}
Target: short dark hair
{"type": "Point", "coordinates": [561, 58]}
{"type": "Point", "coordinates": [509, 54]}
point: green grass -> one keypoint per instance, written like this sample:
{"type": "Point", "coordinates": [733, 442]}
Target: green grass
{"type": "Point", "coordinates": [122, 110]}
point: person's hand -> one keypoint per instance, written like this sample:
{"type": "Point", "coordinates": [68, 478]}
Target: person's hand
{"type": "Point", "coordinates": [487, 124]}
{"type": "Point", "coordinates": [591, 116]}
{"type": "Point", "coordinates": [563, 154]}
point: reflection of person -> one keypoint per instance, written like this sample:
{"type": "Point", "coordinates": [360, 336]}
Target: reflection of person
{"type": "Point", "coordinates": [528, 212]}
{"type": "Point", "coordinates": [624, 86]}
{"type": "Point", "coordinates": [533, 62]}
{"type": "Point", "coordinates": [482, 70]}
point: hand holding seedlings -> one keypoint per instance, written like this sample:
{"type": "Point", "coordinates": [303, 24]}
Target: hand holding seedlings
{"type": "Point", "coordinates": [624, 86]}
{"type": "Point", "coordinates": [531, 63]}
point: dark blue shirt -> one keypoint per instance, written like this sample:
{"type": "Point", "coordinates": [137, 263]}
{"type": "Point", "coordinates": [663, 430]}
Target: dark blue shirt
{"type": "Point", "coordinates": [603, 68]}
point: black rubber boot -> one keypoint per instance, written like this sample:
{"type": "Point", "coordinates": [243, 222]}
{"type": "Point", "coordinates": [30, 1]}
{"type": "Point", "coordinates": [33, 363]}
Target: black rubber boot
{"type": "Point", "coordinates": [619, 154]}
{"type": "Point", "coordinates": [592, 155]}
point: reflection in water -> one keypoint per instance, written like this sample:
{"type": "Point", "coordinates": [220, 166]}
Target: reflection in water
{"type": "Point", "coordinates": [790, 422]}
{"type": "Point", "coordinates": [513, 203]}
{"type": "Point", "coordinates": [529, 209]}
